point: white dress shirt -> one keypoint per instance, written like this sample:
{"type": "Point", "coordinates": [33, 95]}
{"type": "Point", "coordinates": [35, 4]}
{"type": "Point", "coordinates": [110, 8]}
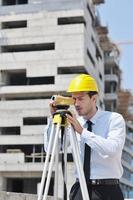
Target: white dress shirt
{"type": "Point", "coordinates": [106, 141]}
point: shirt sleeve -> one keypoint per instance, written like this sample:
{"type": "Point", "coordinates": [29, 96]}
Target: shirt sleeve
{"type": "Point", "coordinates": [115, 138]}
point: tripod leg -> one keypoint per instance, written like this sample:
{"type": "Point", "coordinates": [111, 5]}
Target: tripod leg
{"type": "Point", "coordinates": [65, 167]}
{"type": "Point", "coordinates": [51, 162]}
{"type": "Point", "coordinates": [56, 172]}
{"type": "Point", "coordinates": [79, 167]}
{"type": "Point", "coordinates": [52, 135]}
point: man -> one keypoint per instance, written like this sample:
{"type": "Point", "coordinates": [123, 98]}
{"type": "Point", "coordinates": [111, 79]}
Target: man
{"type": "Point", "coordinates": [104, 139]}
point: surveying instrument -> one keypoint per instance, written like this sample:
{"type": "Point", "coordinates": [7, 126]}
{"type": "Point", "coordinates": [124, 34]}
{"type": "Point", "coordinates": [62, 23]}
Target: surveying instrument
{"type": "Point", "coordinates": [59, 126]}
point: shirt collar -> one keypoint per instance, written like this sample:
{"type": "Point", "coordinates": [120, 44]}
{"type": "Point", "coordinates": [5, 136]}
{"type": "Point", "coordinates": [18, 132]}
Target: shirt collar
{"type": "Point", "coordinates": [93, 119]}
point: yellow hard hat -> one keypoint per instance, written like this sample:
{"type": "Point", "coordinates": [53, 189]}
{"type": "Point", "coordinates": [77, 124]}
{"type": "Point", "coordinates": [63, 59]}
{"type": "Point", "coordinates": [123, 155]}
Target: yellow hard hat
{"type": "Point", "coordinates": [83, 83]}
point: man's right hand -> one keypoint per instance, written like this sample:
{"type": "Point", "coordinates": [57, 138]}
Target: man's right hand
{"type": "Point", "coordinates": [75, 123]}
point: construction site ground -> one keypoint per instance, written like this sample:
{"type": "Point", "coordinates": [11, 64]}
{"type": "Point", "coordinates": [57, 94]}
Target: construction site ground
{"type": "Point", "coordinates": [19, 196]}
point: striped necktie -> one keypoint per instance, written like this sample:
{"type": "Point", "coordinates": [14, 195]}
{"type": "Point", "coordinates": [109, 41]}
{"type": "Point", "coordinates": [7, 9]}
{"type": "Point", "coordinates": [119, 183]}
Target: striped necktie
{"type": "Point", "coordinates": [87, 155]}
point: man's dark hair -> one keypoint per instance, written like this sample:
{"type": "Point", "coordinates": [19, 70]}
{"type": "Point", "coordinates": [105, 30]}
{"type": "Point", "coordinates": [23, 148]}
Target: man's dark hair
{"type": "Point", "coordinates": [91, 93]}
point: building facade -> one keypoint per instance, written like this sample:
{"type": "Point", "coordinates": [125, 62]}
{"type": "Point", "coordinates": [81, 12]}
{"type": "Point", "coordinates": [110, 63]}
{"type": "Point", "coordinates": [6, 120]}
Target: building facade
{"type": "Point", "coordinates": [43, 45]}
{"type": "Point", "coordinates": [127, 157]}
{"type": "Point", "coordinates": [125, 99]}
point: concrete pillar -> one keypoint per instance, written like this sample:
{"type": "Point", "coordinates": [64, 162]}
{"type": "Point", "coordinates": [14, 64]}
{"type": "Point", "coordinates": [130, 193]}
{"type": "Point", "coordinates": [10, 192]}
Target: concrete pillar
{"type": "Point", "coordinates": [3, 183]}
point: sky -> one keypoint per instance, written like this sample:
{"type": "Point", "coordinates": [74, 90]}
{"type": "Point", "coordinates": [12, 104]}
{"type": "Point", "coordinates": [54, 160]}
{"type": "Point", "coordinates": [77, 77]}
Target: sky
{"type": "Point", "coordinates": [117, 15]}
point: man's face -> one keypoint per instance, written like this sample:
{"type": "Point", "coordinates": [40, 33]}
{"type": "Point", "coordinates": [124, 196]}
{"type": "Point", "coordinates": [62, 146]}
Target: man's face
{"type": "Point", "coordinates": [84, 105]}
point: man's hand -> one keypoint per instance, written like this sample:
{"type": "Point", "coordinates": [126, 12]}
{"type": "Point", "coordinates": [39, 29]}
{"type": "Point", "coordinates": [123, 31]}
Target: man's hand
{"type": "Point", "coordinates": [76, 125]}
{"type": "Point", "coordinates": [52, 107]}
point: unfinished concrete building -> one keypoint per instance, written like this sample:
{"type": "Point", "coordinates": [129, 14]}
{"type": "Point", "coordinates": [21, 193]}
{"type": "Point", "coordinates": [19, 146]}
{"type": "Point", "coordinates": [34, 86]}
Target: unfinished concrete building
{"type": "Point", "coordinates": [125, 107]}
{"type": "Point", "coordinates": [43, 45]}
{"type": "Point", "coordinates": [112, 70]}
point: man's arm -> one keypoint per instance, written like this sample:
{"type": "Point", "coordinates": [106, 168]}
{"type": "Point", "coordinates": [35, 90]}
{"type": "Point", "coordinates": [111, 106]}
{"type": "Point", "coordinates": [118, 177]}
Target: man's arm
{"type": "Point", "coordinates": [104, 146]}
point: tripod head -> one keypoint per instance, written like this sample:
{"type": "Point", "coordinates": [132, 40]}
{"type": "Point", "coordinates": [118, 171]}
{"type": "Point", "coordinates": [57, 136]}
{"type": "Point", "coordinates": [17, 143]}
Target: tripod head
{"type": "Point", "coordinates": [60, 116]}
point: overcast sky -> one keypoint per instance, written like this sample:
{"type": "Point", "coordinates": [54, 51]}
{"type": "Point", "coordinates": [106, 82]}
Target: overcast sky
{"type": "Point", "coordinates": [118, 16]}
